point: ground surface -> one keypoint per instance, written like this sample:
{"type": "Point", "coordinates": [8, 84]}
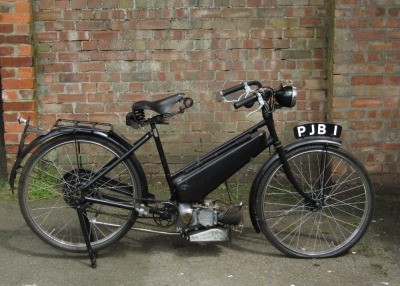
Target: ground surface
{"type": "Point", "coordinates": [151, 259]}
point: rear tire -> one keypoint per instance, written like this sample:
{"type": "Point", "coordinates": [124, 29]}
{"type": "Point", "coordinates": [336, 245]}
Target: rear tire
{"type": "Point", "coordinates": [330, 175]}
{"type": "Point", "coordinates": [48, 193]}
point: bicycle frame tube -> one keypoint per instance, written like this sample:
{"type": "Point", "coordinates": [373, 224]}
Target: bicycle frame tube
{"type": "Point", "coordinates": [114, 162]}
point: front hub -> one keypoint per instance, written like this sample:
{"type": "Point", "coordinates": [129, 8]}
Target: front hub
{"type": "Point", "coordinates": [319, 197]}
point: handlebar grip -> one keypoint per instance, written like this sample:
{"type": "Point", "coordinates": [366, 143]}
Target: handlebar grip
{"type": "Point", "coordinates": [246, 101]}
{"type": "Point", "coordinates": [232, 89]}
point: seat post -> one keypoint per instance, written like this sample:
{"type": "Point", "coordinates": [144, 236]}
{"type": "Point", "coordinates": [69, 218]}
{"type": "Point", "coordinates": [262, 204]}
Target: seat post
{"type": "Point", "coordinates": [161, 153]}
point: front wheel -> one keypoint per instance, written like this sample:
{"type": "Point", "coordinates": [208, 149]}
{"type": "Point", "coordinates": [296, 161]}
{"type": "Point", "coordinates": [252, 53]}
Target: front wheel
{"type": "Point", "coordinates": [329, 175]}
{"type": "Point", "coordinates": [49, 192]}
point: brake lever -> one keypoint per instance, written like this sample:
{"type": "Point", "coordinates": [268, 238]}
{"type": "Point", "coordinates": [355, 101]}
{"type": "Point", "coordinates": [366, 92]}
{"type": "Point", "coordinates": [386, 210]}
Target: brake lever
{"type": "Point", "coordinates": [261, 101]}
{"type": "Point", "coordinates": [247, 92]}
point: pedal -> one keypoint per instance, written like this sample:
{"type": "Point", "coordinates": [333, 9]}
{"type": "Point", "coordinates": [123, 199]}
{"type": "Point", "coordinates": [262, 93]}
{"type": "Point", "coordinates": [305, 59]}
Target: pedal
{"type": "Point", "coordinates": [238, 228]}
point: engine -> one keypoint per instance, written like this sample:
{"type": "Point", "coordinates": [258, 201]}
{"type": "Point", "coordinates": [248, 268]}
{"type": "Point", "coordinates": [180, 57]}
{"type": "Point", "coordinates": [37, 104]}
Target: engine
{"type": "Point", "coordinates": [207, 215]}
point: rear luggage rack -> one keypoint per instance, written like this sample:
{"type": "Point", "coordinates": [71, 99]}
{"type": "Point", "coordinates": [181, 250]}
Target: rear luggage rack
{"type": "Point", "coordinates": [67, 123]}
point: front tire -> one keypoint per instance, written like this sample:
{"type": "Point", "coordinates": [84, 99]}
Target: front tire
{"type": "Point", "coordinates": [333, 177]}
{"type": "Point", "coordinates": [48, 192]}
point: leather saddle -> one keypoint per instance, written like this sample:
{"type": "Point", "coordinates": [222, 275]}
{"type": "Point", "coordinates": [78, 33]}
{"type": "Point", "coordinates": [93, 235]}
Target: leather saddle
{"type": "Point", "coordinates": [161, 106]}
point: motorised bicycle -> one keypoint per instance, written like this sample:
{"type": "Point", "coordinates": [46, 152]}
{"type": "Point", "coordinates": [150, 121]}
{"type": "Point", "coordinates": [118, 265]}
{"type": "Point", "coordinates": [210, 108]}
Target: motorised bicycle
{"type": "Point", "coordinates": [81, 186]}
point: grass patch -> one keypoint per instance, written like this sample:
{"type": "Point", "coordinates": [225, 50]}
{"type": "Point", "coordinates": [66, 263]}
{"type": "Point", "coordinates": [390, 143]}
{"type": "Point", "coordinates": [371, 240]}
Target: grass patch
{"type": "Point", "coordinates": [6, 194]}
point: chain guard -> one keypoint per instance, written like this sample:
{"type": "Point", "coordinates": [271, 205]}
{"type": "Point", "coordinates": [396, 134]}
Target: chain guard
{"type": "Point", "coordinates": [165, 217]}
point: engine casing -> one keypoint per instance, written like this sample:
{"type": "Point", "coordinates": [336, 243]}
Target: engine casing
{"type": "Point", "coordinates": [207, 215]}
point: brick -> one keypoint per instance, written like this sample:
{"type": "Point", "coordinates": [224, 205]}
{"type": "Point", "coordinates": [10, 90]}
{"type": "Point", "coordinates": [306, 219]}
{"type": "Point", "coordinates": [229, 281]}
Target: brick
{"type": "Point", "coordinates": [57, 108]}
{"type": "Point", "coordinates": [57, 67]}
{"type": "Point", "coordinates": [374, 35]}
{"type": "Point", "coordinates": [89, 67]}
{"type": "Point", "coordinates": [47, 36]}
{"type": "Point", "coordinates": [78, 4]}
{"type": "Point", "coordinates": [26, 73]}
{"type": "Point", "coordinates": [168, 55]}
{"type": "Point", "coordinates": [15, 18]}
{"type": "Point", "coordinates": [367, 80]}
{"type": "Point", "coordinates": [366, 125]}
{"type": "Point", "coordinates": [8, 73]}
{"type": "Point", "coordinates": [282, 23]}
{"type": "Point", "coordinates": [6, 28]}
{"type": "Point", "coordinates": [155, 25]}
{"type": "Point", "coordinates": [94, 3]}
{"type": "Point", "coordinates": [394, 80]}
{"type": "Point", "coordinates": [392, 146]}
{"type": "Point", "coordinates": [217, 13]}
{"type": "Point", "coordinates": [47, 16]}
{"type": "Point", "coordinates": [311, 22]}
{"type": "Point", "coordinates": [366, 102]}
{"type": "Point", "coordinates": [6, 51]}
{"type": "Point", "coordinates": [296, 54]}
{"type": "Point", "coordinates": [69, 57]}
{"type": "Point", "coordinates": [19, 106]}
{"type": "Point", "coordinates": [25, 50]}
{"type": "Point", "coordinates": [74, 36]}
{"type": "Point", "coordinates": [15, 39]}
{"type": "Point", "coordinates": [105, 35]}
{"type": "Point", "coordinates": [18, 83]}
{"type": "Point", "coordinates": [11, 127]}
{"type": "Point", "coordinates": [394, 34]}
{"type": "Point", "coordinates": [299, 11]}
{"type": "Point", "coordinates": [67, 98]}
{"type": "Point", "coordinates": [290, 3]}
{"type": "Point", "coordinates": [74, 77]}
{"type": "Point", "coordinates": [299, 33]}
{"type": "Point", "coordinates": [340, 102]}
{"type": "Point", "coordinates": [22, 7]}
{"type": "Point", "coordinates": [366, 146]}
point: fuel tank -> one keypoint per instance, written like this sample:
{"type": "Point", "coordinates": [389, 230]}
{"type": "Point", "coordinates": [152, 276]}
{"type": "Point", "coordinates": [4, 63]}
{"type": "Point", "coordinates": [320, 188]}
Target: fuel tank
{"type": "Point", "coordinates": [197, 184]}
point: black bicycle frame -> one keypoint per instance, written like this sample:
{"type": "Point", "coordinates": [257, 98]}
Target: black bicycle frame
{"type": "Point", "coordinates": [202, 161]}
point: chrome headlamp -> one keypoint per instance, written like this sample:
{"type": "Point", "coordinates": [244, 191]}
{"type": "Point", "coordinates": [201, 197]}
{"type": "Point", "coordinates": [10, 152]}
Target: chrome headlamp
{"type": "Point", "coordinates": [286, 96]}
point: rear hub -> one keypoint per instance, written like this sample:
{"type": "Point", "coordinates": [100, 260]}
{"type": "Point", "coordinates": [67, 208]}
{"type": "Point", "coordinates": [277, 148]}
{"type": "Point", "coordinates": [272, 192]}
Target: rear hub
{"type": "Point", "coordinates": [73, 182]}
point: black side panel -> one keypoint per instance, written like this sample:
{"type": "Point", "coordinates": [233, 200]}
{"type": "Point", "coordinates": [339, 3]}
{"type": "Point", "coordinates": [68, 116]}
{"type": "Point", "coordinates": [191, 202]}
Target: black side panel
{"type": "Point", "coordinates": [194, 186]}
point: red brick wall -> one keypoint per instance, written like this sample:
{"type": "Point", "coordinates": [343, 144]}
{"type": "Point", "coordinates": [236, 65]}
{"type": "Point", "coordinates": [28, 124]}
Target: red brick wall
{"type": "Point", "coordinates": [17, 70]}
{"type": "Point", "coordinates": [366, 82]}
{"type": "Point", "coordinates": [94, 58]}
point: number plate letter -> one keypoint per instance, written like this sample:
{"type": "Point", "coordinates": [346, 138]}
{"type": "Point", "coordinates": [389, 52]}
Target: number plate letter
{"type": "Point", "coordinates": [321, 129]}
{"type": "Point", "coordinates": [300, 131]}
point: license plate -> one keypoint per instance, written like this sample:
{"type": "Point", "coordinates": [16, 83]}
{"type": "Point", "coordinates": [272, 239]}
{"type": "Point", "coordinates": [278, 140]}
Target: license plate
{"type": "Point", "coordinates": [317, 129]}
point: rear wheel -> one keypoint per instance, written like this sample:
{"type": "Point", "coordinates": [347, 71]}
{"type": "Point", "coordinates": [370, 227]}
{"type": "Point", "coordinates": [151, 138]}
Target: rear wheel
{"type": "Point", "coordinates": [329, 175]}
{"type": "Point", "coordinates": [49, 192]}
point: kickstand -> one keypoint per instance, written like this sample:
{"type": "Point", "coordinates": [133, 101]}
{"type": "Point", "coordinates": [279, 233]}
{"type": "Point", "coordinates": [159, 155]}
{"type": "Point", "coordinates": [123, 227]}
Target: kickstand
{"type": "Point", "coordinates": [85, 230]}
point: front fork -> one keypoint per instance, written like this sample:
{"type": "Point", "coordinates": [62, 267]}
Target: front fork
{"type": "Point", "coordinates": [282, 156]}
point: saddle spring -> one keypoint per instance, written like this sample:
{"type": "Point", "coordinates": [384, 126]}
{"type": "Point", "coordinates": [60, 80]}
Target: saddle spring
{"type": "Point", "coordinates": [136, 118]}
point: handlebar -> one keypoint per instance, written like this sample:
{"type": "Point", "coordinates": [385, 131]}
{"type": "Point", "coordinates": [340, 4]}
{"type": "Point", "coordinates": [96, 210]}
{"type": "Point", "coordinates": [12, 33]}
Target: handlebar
{"type": "Point", "coordinates": [285, 96]}
{"type": "Point", "coordinates": [248, 101]}
{"type": "Point", "coordinates": [233, 89]}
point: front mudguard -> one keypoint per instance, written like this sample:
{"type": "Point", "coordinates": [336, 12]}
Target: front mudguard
{"type": "Point", "coordinates": [46, 136]}
{"type": "Point", "coordinates": [329, 141]}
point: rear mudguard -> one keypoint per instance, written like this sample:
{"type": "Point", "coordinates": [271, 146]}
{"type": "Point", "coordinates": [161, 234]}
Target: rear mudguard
{"type": "Point", "coordinates": [109, 134]}
{"type": "Point", "coordinates": [257, 180]}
